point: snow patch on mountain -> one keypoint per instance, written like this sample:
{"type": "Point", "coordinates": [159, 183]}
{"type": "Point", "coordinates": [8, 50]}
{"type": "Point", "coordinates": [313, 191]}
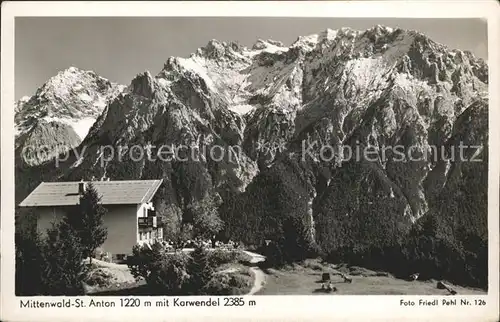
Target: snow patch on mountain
{"type": "Point", "coordinates": [163, 82]}
{"type": "Point", "coordinates": [85, 97]}
{"type": "Point", "coordinates": [196, 66]}
{"type": "Point", "coordinates": [80, 126]}
{"type": "Point", "coordinates": [241, 109]}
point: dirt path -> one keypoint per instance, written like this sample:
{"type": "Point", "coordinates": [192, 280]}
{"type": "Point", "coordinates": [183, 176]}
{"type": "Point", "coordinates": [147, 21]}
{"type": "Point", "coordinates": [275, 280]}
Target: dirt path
{"type": "Point", "coordinates": [260, 277]}
{"type": "Point", "coordinates": [259, 280]}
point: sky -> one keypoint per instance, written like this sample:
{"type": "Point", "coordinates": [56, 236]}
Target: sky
{"type": "Point", "coordinates": [118, 48]}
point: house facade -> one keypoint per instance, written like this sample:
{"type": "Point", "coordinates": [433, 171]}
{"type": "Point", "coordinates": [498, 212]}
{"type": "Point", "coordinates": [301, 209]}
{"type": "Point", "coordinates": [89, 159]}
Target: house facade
{"type": "Point", "coordinates": [131, 217]}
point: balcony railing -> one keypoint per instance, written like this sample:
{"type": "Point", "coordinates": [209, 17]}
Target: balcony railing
{"type": "Point", "coordinates": [149, 222]}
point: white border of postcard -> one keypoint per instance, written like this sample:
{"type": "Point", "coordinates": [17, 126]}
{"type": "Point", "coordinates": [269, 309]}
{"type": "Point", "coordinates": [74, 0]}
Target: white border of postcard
{"type": "Point", "coordinates": [293, 308]}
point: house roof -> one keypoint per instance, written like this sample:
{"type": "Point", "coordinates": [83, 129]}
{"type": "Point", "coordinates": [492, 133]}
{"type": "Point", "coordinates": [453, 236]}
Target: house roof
{"type": "Point", "coordinates": [111, 192]}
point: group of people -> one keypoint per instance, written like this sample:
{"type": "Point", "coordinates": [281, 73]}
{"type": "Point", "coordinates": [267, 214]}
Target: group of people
{"type": "Point", "coordinates": [200, 242]}
{"type": "Point", "coordinates": [328, 287]}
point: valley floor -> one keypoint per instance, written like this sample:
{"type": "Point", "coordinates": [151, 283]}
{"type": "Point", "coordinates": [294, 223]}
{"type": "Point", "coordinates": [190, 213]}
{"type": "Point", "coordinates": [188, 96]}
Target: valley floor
{"type": "Point", "coordinates": [305, 279]}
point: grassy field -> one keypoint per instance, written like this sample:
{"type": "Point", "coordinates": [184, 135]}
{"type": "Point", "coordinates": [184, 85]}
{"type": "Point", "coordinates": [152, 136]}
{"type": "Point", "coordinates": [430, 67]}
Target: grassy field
{"type": "Point", "coordinates": [305, 279]}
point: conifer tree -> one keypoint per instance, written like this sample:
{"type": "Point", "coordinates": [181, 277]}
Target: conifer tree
{"type": "Point", "coordinates": [28, 262]}
{"type": "Point", "coordinates": [87, 221]}
{"type": "Point", "coordinates": [63, 270]}
{"type": "Point", "coordinates": [200, 270]}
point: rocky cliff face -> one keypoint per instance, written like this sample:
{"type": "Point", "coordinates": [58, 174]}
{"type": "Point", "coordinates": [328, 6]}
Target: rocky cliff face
{"type": "Point", "coordinates": [381, 88]}
{"type": "Point", "coordinates": [59, 115]}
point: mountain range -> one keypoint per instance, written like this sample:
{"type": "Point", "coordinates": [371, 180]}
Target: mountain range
{"type": "Point", "coordinates": [381, 87]}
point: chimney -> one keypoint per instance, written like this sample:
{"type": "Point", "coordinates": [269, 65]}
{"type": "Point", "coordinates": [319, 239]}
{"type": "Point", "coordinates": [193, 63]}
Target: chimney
{"type": "Point", "coordinates": [81, 188]}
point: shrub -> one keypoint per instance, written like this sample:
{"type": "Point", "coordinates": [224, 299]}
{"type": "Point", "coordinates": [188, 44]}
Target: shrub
{"type": "Point", "coordinates": [313, 264]}
{"type": "Point", "coordinates": [170, 277]}
{"type": "Point", "coordinates": [165, 273]}
{"type": "Point", "coordinates": [228, 284]}
{"type": "Point", "coordinates": [220, 257]}
{"type": "Point", "coordinates": [145, 258]}
{"type": "Point", "coordinates": [99, 277]}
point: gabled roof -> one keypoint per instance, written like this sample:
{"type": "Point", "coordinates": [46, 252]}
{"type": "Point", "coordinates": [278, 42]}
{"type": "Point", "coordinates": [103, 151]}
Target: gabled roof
{"type": "Point", "coordinates": [111, 192]}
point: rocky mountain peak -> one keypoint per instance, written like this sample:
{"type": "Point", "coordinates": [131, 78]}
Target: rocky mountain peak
{"type": "Point", "coordinates": [143, 84]}
{"type": "Point", "coordinates": [72, 93]}
{"type": "Point", "coordinates": [65, 106]}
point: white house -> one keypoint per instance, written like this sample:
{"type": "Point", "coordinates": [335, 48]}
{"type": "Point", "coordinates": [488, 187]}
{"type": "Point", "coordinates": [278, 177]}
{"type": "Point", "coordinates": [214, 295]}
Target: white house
{"type": "Point", "coordinates": [131, 218]}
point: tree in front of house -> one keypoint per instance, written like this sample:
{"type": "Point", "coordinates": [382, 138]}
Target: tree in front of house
{"type": "Point", "coordinates": [87, 221]}
{"type": "Point", "coordinates": [63, 270]}
{"type": "Point", "coordinates": [29, 259]}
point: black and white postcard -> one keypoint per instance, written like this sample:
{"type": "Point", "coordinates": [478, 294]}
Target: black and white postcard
{"type": "Point", "coordinates": [250, 160]}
